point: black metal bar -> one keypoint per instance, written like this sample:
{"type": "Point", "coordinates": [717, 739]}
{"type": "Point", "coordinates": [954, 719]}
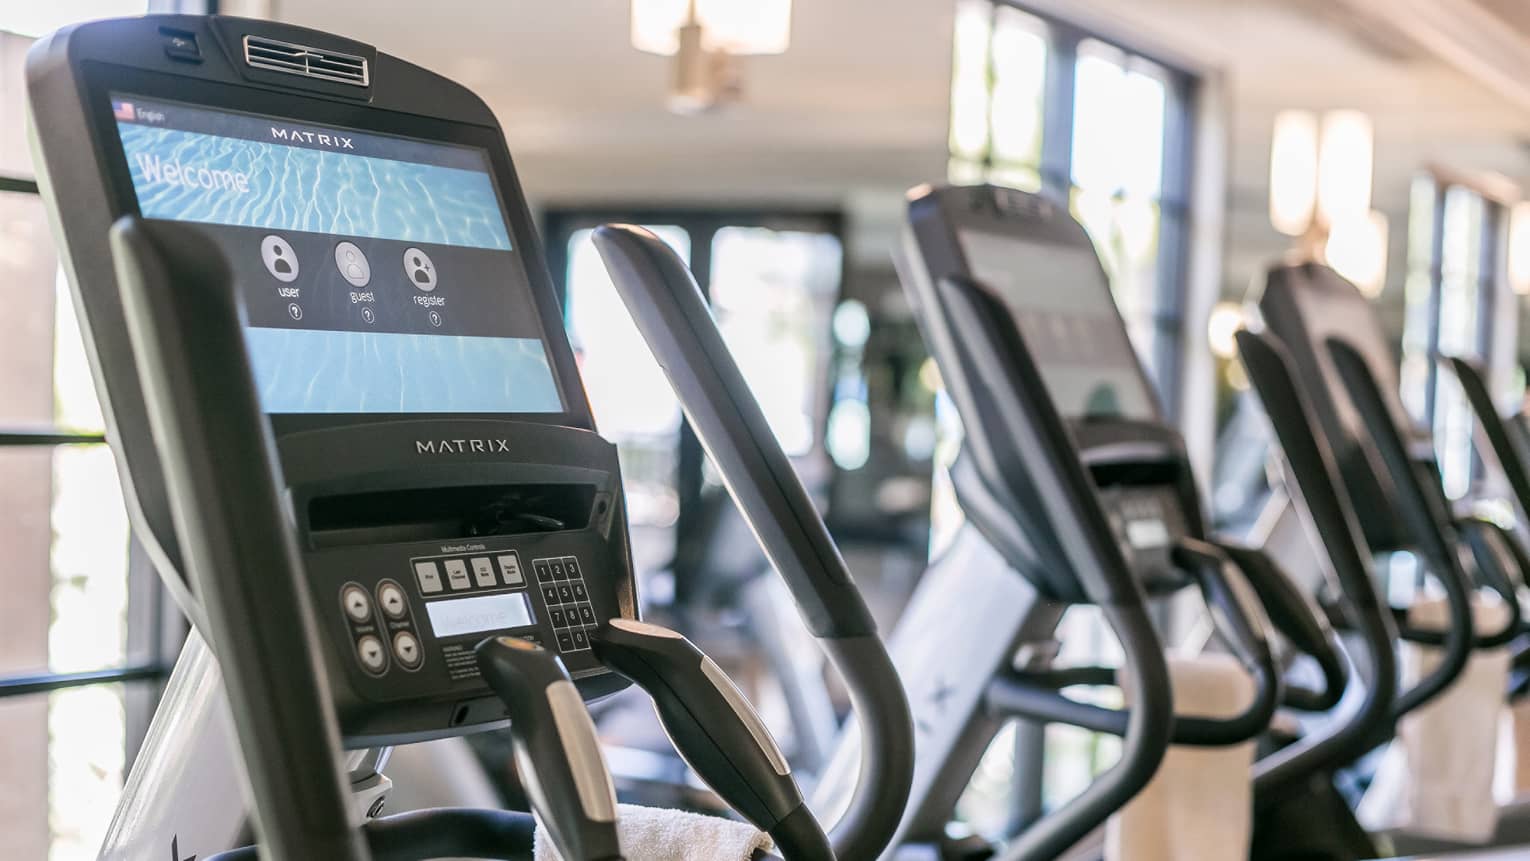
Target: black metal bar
{"type": "Point", "coordinates": [19, 185]}
{"type": "Point", "coordinates": [48, 437]}
{"type": "Point", "coordinates": [20, 686]}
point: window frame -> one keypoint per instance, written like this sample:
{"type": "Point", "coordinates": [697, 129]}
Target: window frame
{"type": "Point", "coordinates": [1493, 342]}
{"type": "Point", "coordinates": [1182, 93]}
{"type": "Point", "coordinates": [155, 627]}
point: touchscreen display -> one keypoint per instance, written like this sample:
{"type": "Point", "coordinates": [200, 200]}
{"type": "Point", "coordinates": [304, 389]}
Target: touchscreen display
{"type": "Point", "coordinates": [377, 272]}
{"type": "Point", "coordinates": [1069, 321]}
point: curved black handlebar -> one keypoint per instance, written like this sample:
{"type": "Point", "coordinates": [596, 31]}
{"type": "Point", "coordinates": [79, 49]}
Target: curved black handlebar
{"type": "Point", "coordinates": [184, 323]}
{"type": "Point", "coordinates": [668, 308]}
{"type": "Point", "coordinates": [1037, 448]}
{"type": "Point", "coordinates": [1492, 427]}
{"type": "Point", "coordinates": [1426, 517]}
{"type": "Point", "coordinates": [1313, 482]}
{"type": "Point", "coordinates": [1301, 621]}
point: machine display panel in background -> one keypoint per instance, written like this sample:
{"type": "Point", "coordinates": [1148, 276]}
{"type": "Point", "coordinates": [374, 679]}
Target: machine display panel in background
{"type": "Point", "coordinates": [1070, 323]}
{"type": "Point", "coordinates": [377, 272]}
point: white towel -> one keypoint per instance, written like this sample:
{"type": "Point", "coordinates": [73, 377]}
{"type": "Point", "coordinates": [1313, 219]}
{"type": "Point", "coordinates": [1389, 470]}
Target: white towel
{"type": "Point", "coordinates": [1436, 778]}
{"type": "Point", "coordinates": [654, 834]}
{"type": "Point", "coordinates": [1199, 805]}
{"type": "Point", "coordinates": [1519, 769]}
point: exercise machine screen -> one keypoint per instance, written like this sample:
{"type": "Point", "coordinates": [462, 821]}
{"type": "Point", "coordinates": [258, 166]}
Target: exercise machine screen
{"type": "Point", "coordinates": [377, 272]}
{"type": "Point", "coordinates": [1069, 320]}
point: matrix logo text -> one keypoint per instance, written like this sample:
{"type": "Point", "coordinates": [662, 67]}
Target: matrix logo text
{"type": "Point", "coordinates": [461, 446]}
{"type": "Point", "coordinates": [300, 136]}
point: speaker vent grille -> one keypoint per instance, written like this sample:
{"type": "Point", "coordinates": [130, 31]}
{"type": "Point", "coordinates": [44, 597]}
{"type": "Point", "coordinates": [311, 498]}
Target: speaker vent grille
{"type": "Point", "coordinates": [277, 56]}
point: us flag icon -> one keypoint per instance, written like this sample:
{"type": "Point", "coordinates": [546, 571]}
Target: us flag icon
{"type": "Point", "coordinates": [124, 111]}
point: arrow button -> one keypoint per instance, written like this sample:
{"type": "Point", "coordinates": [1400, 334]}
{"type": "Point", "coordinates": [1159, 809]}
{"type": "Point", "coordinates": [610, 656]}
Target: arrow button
{"type": "Point", "coordinates": [391, 597]}
{"type": "Point", "coordinates": [357, 605]}
{"type": "Point", "coordinates": [370, 650]}
{"type": "Point", "coordinates": [407, 648]}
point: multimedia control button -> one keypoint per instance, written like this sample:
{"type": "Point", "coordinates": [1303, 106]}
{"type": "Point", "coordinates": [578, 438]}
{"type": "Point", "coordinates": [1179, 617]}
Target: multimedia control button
{"type": "Point", "coordinates": [510, 567]}
{"type": "Point", "coordinates": [407, 648]}
{"type": "Point", "coordinates": [357, 605]}
{"type": "Point", "coordinates": [559, 618]}
{"type": "Point", "coordinates": [483, 572]}
{"type": "Point", "coordinates": [571, 565]}
{"type": "Point", "coordinates": [586, 614]}
{"type": "Point", "coordinates": [457, 575]}
{"type": "Point", "coordinates": [581, 640]}
{"type": "Point", "coordinates": [565, 641]}
{"type": "Point", "coordinates": [550, 595]}
{"type": "Point", "coordinates": [373, 657]}
{"type": "Point", "coordinates": [544, 571]}
{"type": "Point", "coordinates": [392, 600]}
{"type": "Point", "coordinates": [580, 593]}
{"type": "Point", "coordinates": [429, 576]}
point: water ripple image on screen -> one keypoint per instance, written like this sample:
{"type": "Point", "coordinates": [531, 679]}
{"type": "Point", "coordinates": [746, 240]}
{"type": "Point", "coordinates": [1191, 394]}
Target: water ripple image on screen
{"type": "Point", "coordinates": [311, 371]}
{"type": "Point", "coordinates": [186, 176]}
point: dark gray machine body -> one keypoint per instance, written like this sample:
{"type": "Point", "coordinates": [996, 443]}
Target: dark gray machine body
{"type": "Point", "coordinates": [433, 507]}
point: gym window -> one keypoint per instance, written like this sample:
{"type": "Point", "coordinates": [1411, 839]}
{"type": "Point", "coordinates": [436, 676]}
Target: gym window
{"type": "Point", "coordinates": [1041, 105]}
{"type": "Point", "coordinates": [87, 635]}
{"type": "Point", "coordinates": [1459, 302]}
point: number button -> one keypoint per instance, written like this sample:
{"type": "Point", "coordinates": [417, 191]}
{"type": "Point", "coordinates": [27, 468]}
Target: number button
{"type": "Point", "coordinates": [558, 571]}
{"type": "Point", "coordinates": [542, 569]}
{"type": "Point", "coordinates": [579, 592]}
{"type": "Point", "coordinates": [559, 619]}
{"type": "Point", "coordinates": [566, 594]}
{"type": "Point", "coordinates": [586, 614]}
{"type": "Point", "coordinates": [550, 595]}
{"type": "Point", "coordinates": [571, 565]}
{"type": "Point", "coordinates": [581, 640]}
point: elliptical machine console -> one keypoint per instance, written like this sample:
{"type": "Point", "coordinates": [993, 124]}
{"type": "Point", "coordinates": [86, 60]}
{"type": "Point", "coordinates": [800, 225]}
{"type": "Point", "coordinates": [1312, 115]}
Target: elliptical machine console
{"type": "Point", "coordinates": [1041, 266]}
{"type": "Point", "coordinates": [434, 441]}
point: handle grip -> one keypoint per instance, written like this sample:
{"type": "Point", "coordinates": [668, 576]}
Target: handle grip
{"type": "Point", "coordinates": [716, 730]}
{"type": "Point", "coordinates": [1312, 478]}
{"type": "Point", "coordinates": [669, 310]}
{"type": "Point", "coordinates": [1425, 515]}
{"type": "Point", "coordinates": [555, 748]}
{"type": "Point", "coordinates": [1300, 621]}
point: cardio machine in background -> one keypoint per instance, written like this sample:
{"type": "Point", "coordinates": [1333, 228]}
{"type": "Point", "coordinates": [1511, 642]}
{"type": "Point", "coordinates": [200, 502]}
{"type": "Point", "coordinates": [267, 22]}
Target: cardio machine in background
{"type": "Point", "coordinates": [1336, 350]}
{"type": "Point", "coordinates": [1075, 491]}
{"type": "Point", "coordinates": [354, 439]}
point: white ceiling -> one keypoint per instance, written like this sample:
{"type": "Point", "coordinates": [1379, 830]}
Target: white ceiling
{"type": "Point", "coordinates": [855, 112]}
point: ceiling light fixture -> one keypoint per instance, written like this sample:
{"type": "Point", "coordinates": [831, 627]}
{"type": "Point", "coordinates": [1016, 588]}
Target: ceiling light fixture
{"type": "Point", "coordinates": [706, 37]}
{"type": "Point", "coordinates": [1320, 193]}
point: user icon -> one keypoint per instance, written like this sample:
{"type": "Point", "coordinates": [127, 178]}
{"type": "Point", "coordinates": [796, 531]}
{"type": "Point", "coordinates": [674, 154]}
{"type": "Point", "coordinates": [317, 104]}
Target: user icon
{"type": "Point", "coordinates": [420, 269]}
{"type": "Point", "coordinates": [352, 264]}
{"type": "Point", "coordinates": [281, 261]}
